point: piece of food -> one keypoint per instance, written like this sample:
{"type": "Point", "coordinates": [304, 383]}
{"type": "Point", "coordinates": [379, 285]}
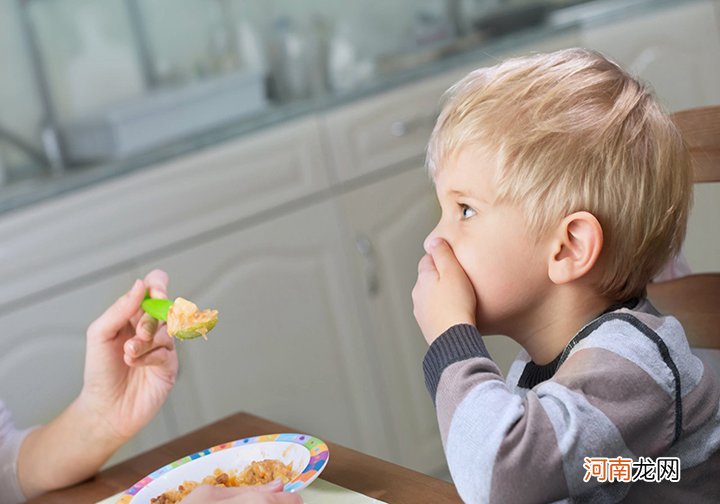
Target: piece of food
{"type": "Point", "coordinates": [256, 473]}
{"type": "Point", "coordinates": [186, 321]}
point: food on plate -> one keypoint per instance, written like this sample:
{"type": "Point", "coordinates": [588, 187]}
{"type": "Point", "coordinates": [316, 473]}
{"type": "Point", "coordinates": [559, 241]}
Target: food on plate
{"type": "Point", "coordinates": [186, 321]}
{"type": "Point", "coordinates": [256, 473]}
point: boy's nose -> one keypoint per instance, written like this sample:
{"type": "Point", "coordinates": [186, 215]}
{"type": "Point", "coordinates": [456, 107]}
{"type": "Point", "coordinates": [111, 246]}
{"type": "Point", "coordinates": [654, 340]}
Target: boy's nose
{"type": "Point", "coordinates": [435, 233]}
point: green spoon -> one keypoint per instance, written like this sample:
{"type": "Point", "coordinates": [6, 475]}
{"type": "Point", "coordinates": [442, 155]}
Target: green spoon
{"type": "Point", "coordinates": [198, 326]}
{"type": "Point", "coordinates": [156, 308]}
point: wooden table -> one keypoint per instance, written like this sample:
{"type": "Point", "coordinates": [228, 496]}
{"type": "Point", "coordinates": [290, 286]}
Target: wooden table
{"type": "Point", "coordinates": [348, 468]}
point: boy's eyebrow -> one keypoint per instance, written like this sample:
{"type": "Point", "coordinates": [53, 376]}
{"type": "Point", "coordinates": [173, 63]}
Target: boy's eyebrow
{"type": "Point", "coordinates": [469, 194]}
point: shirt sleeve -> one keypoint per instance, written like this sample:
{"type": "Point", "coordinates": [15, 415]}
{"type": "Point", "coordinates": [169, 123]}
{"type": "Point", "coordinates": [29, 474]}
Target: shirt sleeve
{"type": "Point", "coordinates": [505, 447]}
{"type": "Point", "coordinates": [10, 441]}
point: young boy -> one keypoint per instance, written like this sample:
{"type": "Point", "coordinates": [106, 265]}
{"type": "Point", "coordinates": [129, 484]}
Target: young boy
{"type": "Point", "coordinates": [564, 188]}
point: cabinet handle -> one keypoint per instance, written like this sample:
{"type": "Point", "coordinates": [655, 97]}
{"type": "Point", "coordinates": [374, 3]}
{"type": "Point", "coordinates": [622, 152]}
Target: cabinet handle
{"type": "Point", "coordinates": [402, 128]}
{"type": "Point", "coordinates": [367, 251]}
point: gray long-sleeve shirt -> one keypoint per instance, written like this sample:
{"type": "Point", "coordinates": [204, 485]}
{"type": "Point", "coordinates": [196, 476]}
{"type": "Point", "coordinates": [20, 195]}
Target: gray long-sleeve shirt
{"type": "Point", "coordinates": [10, 440]}
{"type": "Point", "coordinates": [626, 386]}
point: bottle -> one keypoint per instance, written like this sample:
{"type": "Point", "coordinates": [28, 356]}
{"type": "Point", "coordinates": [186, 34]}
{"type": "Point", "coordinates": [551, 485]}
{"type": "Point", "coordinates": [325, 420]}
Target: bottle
{"type": "Point", "coordinates": [342, 60]}
{"type": "Point", "coordinates": [288, 60]}
{"type": "Point", "coordinates": [252, 56]}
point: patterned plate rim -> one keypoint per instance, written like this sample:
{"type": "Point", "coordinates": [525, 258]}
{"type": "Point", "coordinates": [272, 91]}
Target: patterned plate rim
{"type": "Point", "coordinates": [319, 456]}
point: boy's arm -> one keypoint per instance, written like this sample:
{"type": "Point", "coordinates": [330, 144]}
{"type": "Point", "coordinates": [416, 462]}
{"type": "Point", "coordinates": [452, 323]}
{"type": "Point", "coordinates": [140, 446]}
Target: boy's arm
{"type": "Point", "coordinates": [499, 446]}
{"type": "Point", "coordinates": [502, 447]}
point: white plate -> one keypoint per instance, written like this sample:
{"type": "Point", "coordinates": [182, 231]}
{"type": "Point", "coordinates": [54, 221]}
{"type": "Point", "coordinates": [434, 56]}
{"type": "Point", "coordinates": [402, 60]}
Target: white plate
{"type": "Point", "coordinates": [308, 455]}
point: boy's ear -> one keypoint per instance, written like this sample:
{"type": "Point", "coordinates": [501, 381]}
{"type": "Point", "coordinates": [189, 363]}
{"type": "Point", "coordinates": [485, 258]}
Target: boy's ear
{"type": "Point", "coordinates": [576, 246]}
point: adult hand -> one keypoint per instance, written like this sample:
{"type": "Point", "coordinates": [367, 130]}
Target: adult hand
{"type": "Point", "coordinates": [443, 295]}
{"type": "Point", "coordinates": [130, 367]}
{"type": "Point", "coordinates": [131, 363]}
{"type": "Point", "coordinates": [266, 494]}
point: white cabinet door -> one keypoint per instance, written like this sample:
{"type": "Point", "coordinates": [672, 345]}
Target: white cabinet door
{"type": "Point", "coordinates": [384, 130]}
{"type": "Point", "coordinates": [287, 344]}
{"type": "Point", "coordinates": [387, 223]}
{"type": "Point", "coordinates": [676, 49]}
{"type": "Point", "coordinates": [42, 355]}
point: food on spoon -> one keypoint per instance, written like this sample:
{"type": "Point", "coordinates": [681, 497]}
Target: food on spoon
{"type": "Point", "coordinates": [256, 473]}
{"type": "Point", "coordinates": [186, 321]}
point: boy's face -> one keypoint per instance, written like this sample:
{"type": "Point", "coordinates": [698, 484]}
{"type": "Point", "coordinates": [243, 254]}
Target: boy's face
{"type": "Point", "coordinates": [505, 263]}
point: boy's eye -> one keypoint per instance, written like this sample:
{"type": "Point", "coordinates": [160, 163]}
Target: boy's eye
{"type": "Point", "coordinates": [466, 211]}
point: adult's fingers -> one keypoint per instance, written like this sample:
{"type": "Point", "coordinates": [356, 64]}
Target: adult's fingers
{"type": "Point", "coordinates": [157, 283]}
{"type": "Point", "coordinates": [139, 351]}
{"type": "Point", "coordinates": [118, 315]}
{"type": "Point", "coordinates": [264, 494]}
{"type": "Point", "coordinates": [283, 498]}
{"type": "Point", "coordinates": [146, 328]}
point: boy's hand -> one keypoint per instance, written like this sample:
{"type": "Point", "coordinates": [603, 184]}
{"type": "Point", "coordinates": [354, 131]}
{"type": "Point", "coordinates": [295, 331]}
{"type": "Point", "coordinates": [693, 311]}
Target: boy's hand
{"type": "Point", "coordinates": [443, 295]}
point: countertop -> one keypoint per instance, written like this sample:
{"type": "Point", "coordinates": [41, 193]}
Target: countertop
{"type": "Point", "coordinates": [18, 195]}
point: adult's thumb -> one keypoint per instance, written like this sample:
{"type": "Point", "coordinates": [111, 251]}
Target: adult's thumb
{"type": "Point", "coordinates": [274, 486]}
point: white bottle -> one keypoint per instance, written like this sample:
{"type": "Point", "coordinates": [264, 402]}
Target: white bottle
{"type": "Point", "coordinates": [103, 73]}
{"type": "Point", "coordinates": [252, 56]}
{"type": "Point", "coordinates": [342, 60]}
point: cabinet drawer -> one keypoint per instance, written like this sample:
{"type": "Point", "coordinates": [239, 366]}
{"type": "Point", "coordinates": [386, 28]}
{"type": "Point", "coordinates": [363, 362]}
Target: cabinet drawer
{"type": "Point", "coordinates": [127, 217]}
{"type": "Point", "coordinates": [384, 130]}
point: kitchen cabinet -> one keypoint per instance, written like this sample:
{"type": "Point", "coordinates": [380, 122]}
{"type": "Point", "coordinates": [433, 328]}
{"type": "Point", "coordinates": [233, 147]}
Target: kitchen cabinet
{"type": "Point", "coordinates": [287, 345]}
{"type": "Point", "coordinates": [42, 353]}
{"type": "Point", "coordinates": [42, 349]}
{"type": "Point", "coordinates": [66, 260]}
{"type": "Point", "coordinates": [386, 223]}
{"type": "Point", "coordinates": [384, 131]}
{"type": "Point", "coordinates": [386, 203]}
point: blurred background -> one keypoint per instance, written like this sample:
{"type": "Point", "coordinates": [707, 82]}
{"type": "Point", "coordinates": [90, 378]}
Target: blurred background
{"type": "Point", "coordinates": [269, 155]}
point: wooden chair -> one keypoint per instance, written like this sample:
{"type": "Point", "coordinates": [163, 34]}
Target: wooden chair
{"type": "Point", "coordinates": [695, 299]}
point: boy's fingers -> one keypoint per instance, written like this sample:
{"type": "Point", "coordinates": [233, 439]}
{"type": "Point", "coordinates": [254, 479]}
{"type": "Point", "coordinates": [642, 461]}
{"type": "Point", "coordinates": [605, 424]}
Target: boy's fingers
{"type": "Point", "coordinates": [427, 264]}
{"type": "Point", "coordinates": [109, 324]}
{"type": "Point", "coordinates": [443, 256]}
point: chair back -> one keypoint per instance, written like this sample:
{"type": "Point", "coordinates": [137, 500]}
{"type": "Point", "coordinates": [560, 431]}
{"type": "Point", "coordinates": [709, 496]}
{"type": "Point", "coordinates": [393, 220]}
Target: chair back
{"type": "Point", "coordinates": [695, 299]}
{"type": "Point", "coordinates": [700, 128]}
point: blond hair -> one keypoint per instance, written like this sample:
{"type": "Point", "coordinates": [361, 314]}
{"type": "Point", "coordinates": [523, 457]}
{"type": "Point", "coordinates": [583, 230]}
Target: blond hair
{"type": "Point", "coordinates": [572, 131]}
